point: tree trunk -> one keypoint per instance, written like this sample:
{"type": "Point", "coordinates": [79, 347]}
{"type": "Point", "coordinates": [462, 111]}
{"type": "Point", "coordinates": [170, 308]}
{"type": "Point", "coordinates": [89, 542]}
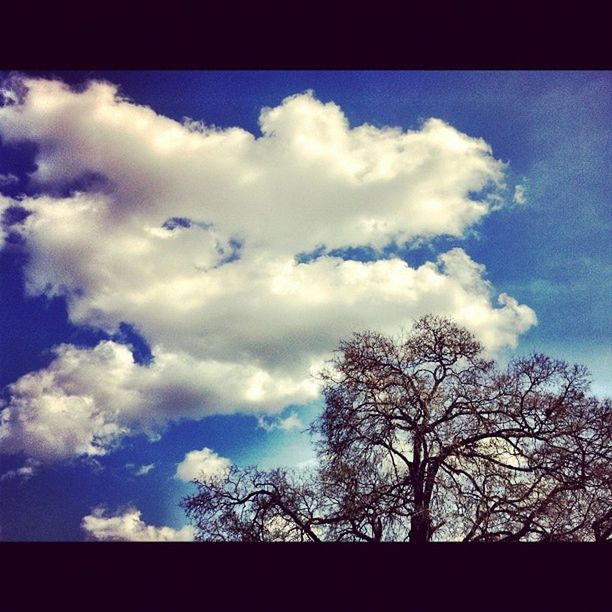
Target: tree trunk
{"type": "Point", "coordinates": [420, 526]}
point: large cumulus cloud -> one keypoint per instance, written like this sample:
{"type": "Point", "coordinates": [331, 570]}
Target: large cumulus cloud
{"type": "Point", "coordinates": [191, 233]}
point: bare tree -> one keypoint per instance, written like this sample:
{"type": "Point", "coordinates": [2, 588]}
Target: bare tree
{"type": "Point", "coordinates": [422, 438]}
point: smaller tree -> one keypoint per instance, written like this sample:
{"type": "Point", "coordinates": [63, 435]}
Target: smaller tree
{"type": "Point", "coordinates": [422, 438]}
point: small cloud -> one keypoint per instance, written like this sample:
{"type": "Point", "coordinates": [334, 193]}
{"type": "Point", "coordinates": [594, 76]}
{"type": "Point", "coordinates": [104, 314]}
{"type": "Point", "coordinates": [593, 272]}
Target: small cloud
{"type": "Point", "coordinates": [95, 466]}
{"type": "Point", "coordinates": [8, 179]}
{"type": "Point", "coordinates": [290, 422]}
{"type": "Point", "coordinates": [203, 465]}
{"type": "Point", "coordinates": [26, 471]}
{"type": "Point", "coordinates": [519, 194]}
{"type": "Point", "coordinates": [128, 526]}
{"type": "Point", "coordinates": [141, 470]}
{"type": "Point", "coordinates": [144, 469]}
{"type": "Point", "coordinates": [307, 464]}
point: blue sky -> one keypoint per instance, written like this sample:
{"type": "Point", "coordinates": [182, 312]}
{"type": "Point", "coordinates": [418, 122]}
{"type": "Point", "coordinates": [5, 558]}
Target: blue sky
{"type": "Point", "coordinates": [204, 336]}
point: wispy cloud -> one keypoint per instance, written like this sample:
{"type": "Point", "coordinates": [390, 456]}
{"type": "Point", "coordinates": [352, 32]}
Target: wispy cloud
{"type": "Point", "coordinates": [270, 424]}
{"type": "Point", "coordinates": [141, 470]}
{"type": "Point", "coordinates": [24, 472]}
{"type": "Point", "coordinates": [8, 179]}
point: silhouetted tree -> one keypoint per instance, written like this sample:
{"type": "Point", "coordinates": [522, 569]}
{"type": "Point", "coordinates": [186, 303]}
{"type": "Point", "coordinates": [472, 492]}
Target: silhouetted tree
{"type": "Point", "coordinates": [422, 438]}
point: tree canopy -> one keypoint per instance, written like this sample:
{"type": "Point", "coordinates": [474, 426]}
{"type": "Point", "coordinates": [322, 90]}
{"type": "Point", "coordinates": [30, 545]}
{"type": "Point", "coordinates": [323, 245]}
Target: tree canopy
{"type": "Point", "coordinates": [422, 438]}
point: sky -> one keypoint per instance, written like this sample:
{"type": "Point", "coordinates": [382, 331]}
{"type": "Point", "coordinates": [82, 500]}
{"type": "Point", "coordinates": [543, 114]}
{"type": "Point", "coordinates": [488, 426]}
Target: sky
{"type": "Point", "coordinates": [181, 252]}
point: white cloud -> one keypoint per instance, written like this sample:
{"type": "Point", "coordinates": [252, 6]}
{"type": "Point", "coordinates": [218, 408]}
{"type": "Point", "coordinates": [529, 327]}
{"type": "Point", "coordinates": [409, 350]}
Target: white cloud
{"type": "Point", "coordinates": [66, 410]}
{"type": "Point", "coordinates": [141, 470]}
{"type": "Point", "coordinates": [87, 399]}
{"type": "Point", "coordinates": [291, 421]}
{"type": "Point", "coordinates": [4, 204]}
{"type": "Point", "coordinates": [310, 179]}
{"type": "Point", "coordinates": [234, 322]}
{"type": "Point", "coordinates": [201, 465]}
{"type": "Point", "coordinates": [25, 472]}
{"type": "Point", "coordinates": [129, 526]}
{"type": "Point", "coordinates": [519, 194]}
